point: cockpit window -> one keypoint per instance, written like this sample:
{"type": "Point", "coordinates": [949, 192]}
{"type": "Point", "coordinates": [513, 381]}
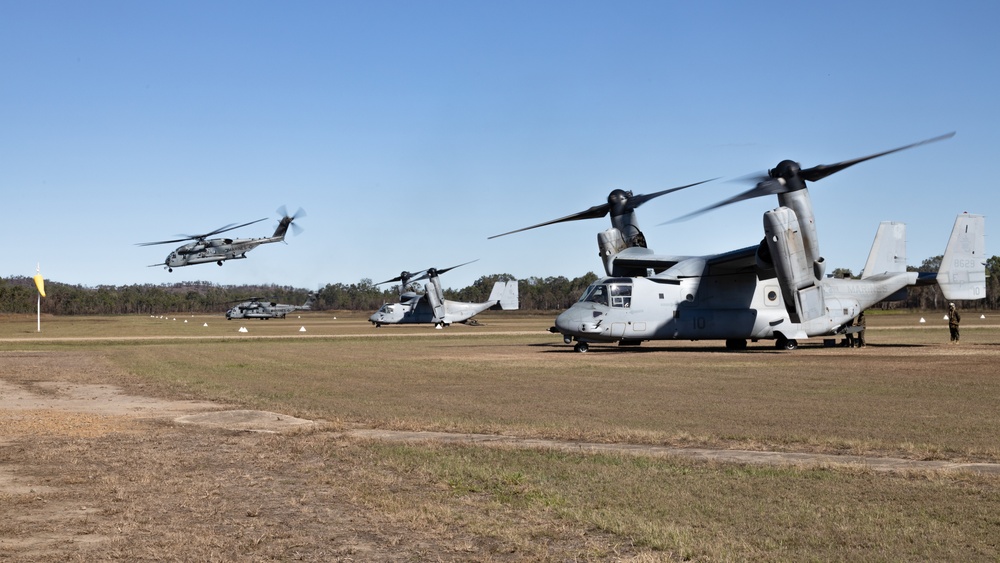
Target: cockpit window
{"type": "Point", "coordinates": [621, 294]}
{"type": "Point", "coordinates": [615, 294]}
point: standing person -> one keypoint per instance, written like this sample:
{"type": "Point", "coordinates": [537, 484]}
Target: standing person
{"type": "Point", "coordinates": [848, 335]}
{"type": "Point", "coordinates": [953, 319]}
{"type": "Point", "coordinates": [860, 337]}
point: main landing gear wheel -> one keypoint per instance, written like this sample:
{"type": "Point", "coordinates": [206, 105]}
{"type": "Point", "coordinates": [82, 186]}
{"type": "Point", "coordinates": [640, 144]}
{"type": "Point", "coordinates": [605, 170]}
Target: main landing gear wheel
{"type": "Point", "coordinates": [581, 347]}
{"type": "Point", "coordinates": [786, 344]}
{"type": "Point", "coordinates": [219, 262]}
{"type": "Point", "coordinates": [736, 344]}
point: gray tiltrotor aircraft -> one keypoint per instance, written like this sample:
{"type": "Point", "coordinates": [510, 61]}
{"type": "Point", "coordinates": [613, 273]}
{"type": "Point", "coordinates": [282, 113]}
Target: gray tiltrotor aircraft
{"type": "Point", "coordinates": [204, 250]}
{"type": "Point", "coordinates": [259, 308]}
{"type": "Point", "coordinates": [776, 290]}
{"type": "Point", "coordinates": [432, 307]}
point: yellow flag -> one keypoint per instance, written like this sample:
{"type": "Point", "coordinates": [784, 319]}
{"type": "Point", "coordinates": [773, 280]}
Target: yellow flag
{"type": "Point", "coordinates": [40, 284]}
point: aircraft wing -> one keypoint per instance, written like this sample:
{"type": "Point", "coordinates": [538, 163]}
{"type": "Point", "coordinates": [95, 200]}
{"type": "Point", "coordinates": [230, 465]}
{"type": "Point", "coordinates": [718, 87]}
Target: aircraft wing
{"type": "Point", "coordinates": [738, 261]}
{"type": "Point", "coordinates": [635, 261]}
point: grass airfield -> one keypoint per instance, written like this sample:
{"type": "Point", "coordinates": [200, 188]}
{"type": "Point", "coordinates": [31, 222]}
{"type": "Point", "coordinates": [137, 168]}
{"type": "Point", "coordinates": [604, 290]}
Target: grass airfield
{"type": "Point", "coordinates": [157, 490]}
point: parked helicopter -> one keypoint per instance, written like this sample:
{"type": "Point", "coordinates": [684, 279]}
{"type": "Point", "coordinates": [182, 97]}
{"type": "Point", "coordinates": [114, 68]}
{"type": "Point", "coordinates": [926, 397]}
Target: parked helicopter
{"type": "Point", "coordinates": [775, 290]}
{"type": "Point", "coordinates": [432, 307]}
{"type": "Point", "coordinates": [259, 308]}
{"type": "Point", "coordinates": [204, 250]}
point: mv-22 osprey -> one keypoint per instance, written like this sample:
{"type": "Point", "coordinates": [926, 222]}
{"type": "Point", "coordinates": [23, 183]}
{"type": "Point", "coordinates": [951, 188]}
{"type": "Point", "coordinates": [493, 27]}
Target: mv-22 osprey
{"type": "Point", "coordinates": [204, 250]}
{"type": "Point", "coordinates": [776, 290]}
{"type": "Point", "coordinates": [431, 306]}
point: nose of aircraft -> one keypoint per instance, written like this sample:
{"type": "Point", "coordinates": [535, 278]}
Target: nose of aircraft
{"type": "Point", "coordinates": [580, 320]}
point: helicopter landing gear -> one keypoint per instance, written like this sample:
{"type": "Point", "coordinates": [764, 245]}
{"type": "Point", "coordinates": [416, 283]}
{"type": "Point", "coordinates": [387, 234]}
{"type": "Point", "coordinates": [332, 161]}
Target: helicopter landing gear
{"type": "Point", "coordinates": [736, 344]}
{"type": "Point", "coordinates": [786, 344]}
{"type": "Point", "coordinates": [581, 347]}
{"type": "Point", "coordinates": [170, 269]}
{"type": "Point", "coordinates": [219, 262]}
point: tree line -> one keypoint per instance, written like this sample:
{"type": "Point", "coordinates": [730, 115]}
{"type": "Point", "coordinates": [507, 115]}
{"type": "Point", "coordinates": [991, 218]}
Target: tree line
{"type": "Point", "coordinates": [18, 294]}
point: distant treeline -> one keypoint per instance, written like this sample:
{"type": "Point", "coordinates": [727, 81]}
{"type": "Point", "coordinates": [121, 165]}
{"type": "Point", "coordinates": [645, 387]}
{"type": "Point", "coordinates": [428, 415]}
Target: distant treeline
{"type": "Point", "coordinates": [18, 294]}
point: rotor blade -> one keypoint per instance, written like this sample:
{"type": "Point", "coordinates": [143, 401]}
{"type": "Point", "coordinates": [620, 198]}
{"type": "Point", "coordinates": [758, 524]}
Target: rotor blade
{"type": "Point", "coordinates": [598, 211]}
{"type": "Point", "coordinates": [769, 187]}
{"type": "Point", "coordinates": [594, 212]}
{"type": "Point", "coordinates": [640, 199]}
{"type": "Point", "coordinates": [162, 242]}
{"type": "Point", "coordinates": [824, 170]}
{"type": "Point", "coordinates": [430, 272]}
{"type": "Point", "coordinates": [229, 228]}
{"type": "Point", "coordinates": [453, 267]}
{"type": "Point", "coordinates": [409, 277]}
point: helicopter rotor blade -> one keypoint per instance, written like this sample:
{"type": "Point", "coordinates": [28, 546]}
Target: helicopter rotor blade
{"type": "Point", "coordinates": [619, 201]}
{"type": "Point", "coordinates": [788, 177]}
{"type": "Point", "coordinates": [228, 227]}
{"type": "Point", "coordinates": [432, 272]}
{"type": "Point", "coordinates": [823, 170]}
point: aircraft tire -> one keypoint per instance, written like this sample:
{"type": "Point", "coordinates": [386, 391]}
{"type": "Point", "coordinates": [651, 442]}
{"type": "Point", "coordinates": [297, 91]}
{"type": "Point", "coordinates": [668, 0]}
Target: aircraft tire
{"type": "Point", "coordinates": [786, 344]}
{"type": "Point", "coordinates": [581, 347]}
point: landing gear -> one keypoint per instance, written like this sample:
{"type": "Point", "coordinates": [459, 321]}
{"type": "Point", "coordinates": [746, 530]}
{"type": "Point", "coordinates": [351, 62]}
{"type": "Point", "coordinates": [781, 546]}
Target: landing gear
{"type": "Point", "coordinates": [219, 262]}
{"type": "Point", "coordinates": [783, 343]}
{"type": "Point", "coordinates": [170, 269]}
{"type": "Point", "coordinates": [581, 347]}
{"type": "Point", "coordinates": [736, 344]}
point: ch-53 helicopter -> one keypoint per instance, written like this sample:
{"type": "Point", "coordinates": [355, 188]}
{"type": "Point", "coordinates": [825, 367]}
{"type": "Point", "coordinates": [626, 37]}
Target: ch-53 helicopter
{"type": "Point", "coordinates": [260, 308]}
{"type": "Point", "coordinates": [432, 307]}
{"type": "Point", "coordinates": [775, 290]}
{"type": "Point", "coordinates": [204, 250]}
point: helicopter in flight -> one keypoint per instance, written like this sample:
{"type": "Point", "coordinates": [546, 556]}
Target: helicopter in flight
{"type": "Point", "coordinates": [775, 290]}
{"type": "Point", "coordinates": [431, 306]}
{"type": "Point", "coordinates": [204, 250]}
{"type": "Point", "coordinates": [260, 308]}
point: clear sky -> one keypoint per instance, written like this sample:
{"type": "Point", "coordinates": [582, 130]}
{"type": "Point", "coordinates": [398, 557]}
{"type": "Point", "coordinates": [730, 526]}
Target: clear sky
{"type": "Point", "coordinates": [410, 131]}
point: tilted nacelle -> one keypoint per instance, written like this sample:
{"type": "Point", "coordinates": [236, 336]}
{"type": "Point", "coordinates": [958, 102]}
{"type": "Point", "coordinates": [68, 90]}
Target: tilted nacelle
{"type": "Point", "coordinates": [797, 275]}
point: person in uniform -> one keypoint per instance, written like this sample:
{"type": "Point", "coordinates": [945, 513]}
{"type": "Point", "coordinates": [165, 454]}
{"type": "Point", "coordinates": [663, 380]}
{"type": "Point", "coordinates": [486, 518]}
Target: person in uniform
{"type": "Point", "coordinates": [953, 319]}
{"type": "Point", "coordinates": [859, 338]}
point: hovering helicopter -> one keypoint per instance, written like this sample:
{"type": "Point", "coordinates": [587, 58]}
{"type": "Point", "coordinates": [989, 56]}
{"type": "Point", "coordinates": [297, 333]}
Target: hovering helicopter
{"type": "Point", "coordinates": [259, 308]}
{"type": "Point", "coordinates": [432, 307]}
{"type": "Point", "coordinates": [775, 290]}
{"type": "Point", "coordinates": [204, 250]}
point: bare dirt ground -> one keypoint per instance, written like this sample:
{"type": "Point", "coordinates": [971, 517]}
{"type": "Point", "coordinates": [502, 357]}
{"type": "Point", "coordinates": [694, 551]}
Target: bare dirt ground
{"type": "Point", "coordinates": [89, 471]}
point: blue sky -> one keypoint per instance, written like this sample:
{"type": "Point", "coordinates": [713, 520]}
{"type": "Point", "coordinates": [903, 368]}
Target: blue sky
{"type": "Point", "coordinates": [410, 131]}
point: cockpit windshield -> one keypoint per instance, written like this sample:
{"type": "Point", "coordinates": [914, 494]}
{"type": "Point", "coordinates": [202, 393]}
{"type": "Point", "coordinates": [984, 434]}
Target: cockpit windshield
{"type": "Point", "coordinates": [387, 308]}
{"type": "Point", "coordinates": [611, 292]}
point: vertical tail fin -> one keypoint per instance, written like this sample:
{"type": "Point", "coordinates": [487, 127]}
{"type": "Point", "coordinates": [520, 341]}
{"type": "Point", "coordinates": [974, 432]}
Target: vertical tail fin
{"type": "Point", "coordinates": [505, 295]}
{"type": "Point", "coordinates": [888, 254]}
{"type": "Point", "coordinates": [963, 267]}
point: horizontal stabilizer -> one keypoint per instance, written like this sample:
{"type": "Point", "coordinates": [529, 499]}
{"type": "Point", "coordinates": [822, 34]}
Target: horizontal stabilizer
{"type": "Point", "coordinates": [963, 268]}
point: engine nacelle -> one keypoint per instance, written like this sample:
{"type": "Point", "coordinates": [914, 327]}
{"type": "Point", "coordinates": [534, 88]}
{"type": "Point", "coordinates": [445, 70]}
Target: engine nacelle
{"type": "Point", "coordinates": [610, 243]}
{"type": "Point", "coordinates": [796, 274]}
{"type": "Point", "coordinates": [434, 297]}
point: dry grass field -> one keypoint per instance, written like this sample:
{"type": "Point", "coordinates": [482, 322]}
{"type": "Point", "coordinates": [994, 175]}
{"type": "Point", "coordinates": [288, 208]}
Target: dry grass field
{"type": "Point", "coordinates": [93, 464]}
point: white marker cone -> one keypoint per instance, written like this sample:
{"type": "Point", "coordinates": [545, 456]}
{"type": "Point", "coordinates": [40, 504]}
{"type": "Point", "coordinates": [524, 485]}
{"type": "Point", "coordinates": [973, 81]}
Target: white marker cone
{"type": "Point", "coordinates": [922, 320]}
{"type": "Point", "coordinates": [303, 329]}
{"type": "Point", "coordinates": [243, 329]}
{"type": "Point", "coordinates": [206, 324]}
